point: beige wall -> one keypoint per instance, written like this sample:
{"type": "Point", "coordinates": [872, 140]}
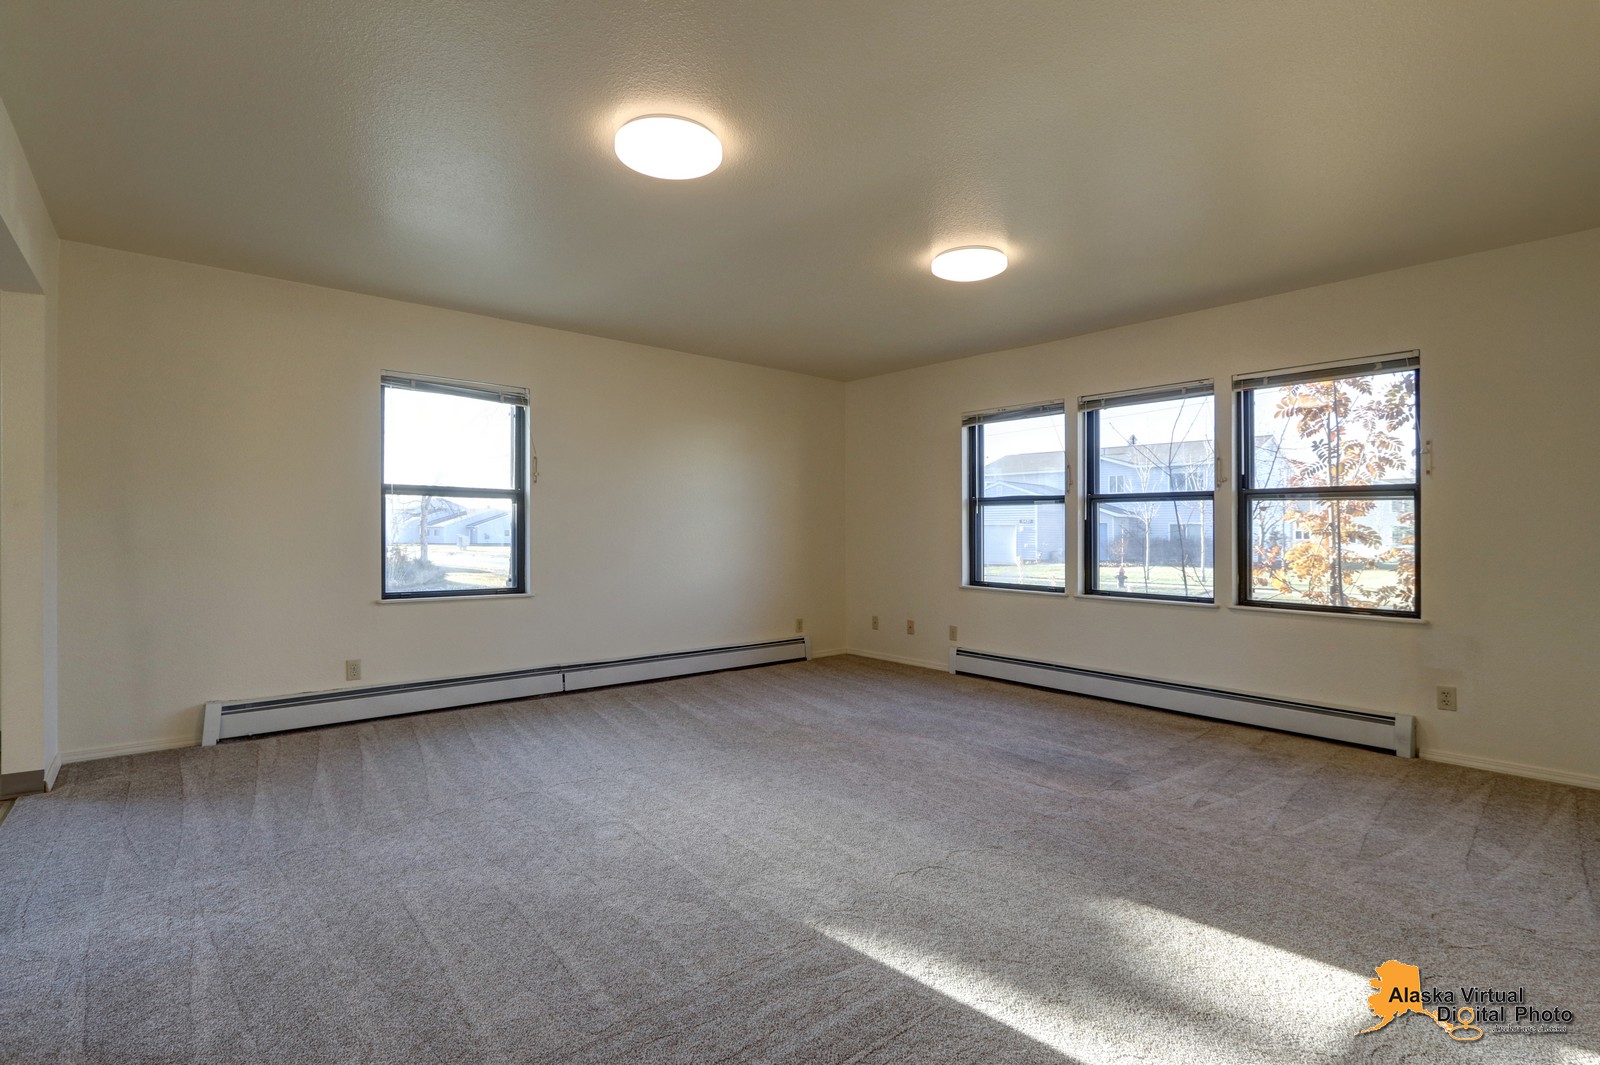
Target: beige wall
{"type": "Point", "coordinates": [28, 719]}
{"type": "Point", "coordinates": [29, 307]}
{"type": "Point", "coordinates": [28, 243]}
{"type": "Point", "coordinates": [1510, 344]}
{"type": "Point", "coordinates": [219, 519]}
{"type": "Point", "coordinates": [219, 496]}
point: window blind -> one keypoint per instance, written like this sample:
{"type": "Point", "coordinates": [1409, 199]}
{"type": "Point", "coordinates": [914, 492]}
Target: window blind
{"type": "Point", "coordinates": [1032, 410]}
{"type": "Point", "coordinates": [1400, 360]}
{"type": "Point", "coordinates": [1146, 395]}
{"type": "Point", "coordinates": [497, 394]}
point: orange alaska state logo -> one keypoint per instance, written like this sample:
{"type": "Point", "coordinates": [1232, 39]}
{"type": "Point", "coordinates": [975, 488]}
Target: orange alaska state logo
{"type": "Point", "coordinates": [1399, 991]}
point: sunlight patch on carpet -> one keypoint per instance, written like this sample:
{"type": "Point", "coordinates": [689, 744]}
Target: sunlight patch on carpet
{"type": "Point", "coordinates": [1235, 979]}
{"type": "Point", "coordinates": [1168, 983]}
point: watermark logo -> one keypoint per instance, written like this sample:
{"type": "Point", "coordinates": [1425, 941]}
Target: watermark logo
{"type": "Point", "coordinates": [1464, 1013]}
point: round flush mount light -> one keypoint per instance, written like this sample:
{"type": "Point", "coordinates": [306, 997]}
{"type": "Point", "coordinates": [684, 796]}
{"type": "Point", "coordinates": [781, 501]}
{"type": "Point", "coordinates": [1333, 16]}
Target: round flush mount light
{"type": "Point", "coordinates": [665, 146]}
{"type": "Point", "coordinates": [969, 264]}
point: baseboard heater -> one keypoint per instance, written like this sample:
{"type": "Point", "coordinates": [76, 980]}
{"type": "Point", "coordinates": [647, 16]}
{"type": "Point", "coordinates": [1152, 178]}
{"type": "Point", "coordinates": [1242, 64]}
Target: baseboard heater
{"type": "Point", "coordinates": [1389, 732]}
{"type": "Point", "coordinates": [252, 717]}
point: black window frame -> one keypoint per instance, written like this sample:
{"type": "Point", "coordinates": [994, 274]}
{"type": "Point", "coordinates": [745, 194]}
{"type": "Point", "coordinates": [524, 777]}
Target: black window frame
{"type": "Point", "coordinates": [1244, 419]}
{"type": "Point", "coordinates": [976, 501]}
{"type": "Point", "coordinates": [1091, 408]}
{"type": "Point", "coordinates": [515, 398]}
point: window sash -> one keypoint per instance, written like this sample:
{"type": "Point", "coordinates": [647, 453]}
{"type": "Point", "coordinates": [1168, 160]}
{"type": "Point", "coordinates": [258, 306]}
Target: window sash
{"type": "Point", "coordinates": [1247, 495]}
{"type": "Point", "coordinates": [977, 501]}
{"type": "Point", "coordinates": [448, 490]}
{"type": "Point", "coordinates": [1093, 497]}
{"type": "Point", "coordinates": [517, 492]}
{"type": "Point", "coordinates": [975, 576]}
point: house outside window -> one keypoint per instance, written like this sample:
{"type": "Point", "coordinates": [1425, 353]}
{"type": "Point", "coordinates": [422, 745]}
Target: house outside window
{"type": "Point", "coordinates": [1016, 492]}
{"type": "Point", "coordinates": [1330, 488]}
{"type": "Point", "coordinates": [454, 488]}
{"type": "Point", "coordinates": [1149, 485]}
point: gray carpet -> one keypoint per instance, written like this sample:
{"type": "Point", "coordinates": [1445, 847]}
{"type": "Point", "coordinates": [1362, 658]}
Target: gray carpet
{"type": "Point", "coordinates": [835, 861]}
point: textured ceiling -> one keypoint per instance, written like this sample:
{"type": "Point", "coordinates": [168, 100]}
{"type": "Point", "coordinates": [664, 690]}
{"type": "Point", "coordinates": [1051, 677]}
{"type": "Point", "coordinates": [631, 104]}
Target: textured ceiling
{"type": "Point", "coordinates": [1135, 159]}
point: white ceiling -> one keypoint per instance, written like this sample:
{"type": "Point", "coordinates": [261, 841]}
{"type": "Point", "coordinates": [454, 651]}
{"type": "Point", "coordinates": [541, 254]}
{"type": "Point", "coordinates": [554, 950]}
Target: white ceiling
{"type": "Point", "coordinates": [1136, 159]}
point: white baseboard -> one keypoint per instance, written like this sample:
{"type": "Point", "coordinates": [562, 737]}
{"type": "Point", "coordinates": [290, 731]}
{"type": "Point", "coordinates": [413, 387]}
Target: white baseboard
{"type": "Point", "coordinates": [116, 750]}
{"type": "Point", "coordinates": [1515, 769]}
{"type": "Point", "coordinates": [238, 719]}
{"type": "Point", "coordinates": [1369, 728]}
{"type": "Point", "coordinates": [942, 667]}
{"type": "Point", "coordinates": [832, 652]}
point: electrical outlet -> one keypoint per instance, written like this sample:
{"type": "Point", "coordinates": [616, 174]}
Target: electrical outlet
{"type": "Point", "coordinates": [352, 669]}
{"type": "Point", "coordinates": [799, 624]}
{"type": "Point", "coordinates": [874, 623]}
{"type": "Point", "coordinates": [911, 627]}
{"type": "Point", "coordinates": [952, 634]}
{"type": "Point", "coordinates": [1445, 698]}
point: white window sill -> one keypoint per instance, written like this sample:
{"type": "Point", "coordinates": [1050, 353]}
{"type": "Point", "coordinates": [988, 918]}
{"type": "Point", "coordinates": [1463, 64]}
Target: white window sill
{"type": "Point", "coordinates": [1091, 597]}
{"type": "Point", "coordinates": [1057, 593]}
{"type": "Point", "coordinates": [1242, 608]}
{"type": "Point", "coordinates": [456, 598]}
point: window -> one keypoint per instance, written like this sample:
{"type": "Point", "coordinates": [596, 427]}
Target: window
{"type": "Point", "coordinates": [1017, 498]}
{"type": "Point", "coordinates": [1330, 489]}
{"type": "Point", "coordinates": [1150, 461]}
{"type": "Point", "coordinates": [454, 469]}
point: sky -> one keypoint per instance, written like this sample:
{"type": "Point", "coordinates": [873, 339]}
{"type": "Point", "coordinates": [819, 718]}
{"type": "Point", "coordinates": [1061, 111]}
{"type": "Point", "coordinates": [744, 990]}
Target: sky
{"type": "Point", "coordinates": [1186, 419]}
{"type": "Point", "coordinates": [1189, 418]}
{"type": "Point", "coordinates": [433, 438]}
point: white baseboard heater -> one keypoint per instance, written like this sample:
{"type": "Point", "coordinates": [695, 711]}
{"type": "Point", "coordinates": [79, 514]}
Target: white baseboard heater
{"type": "Point", "coordinates": [253, 717]}
{"type": "Point", "coordinates": [1389, 732]}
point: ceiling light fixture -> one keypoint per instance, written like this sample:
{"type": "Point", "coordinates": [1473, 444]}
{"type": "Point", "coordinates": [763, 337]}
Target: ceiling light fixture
{"type": "Point", "coordinates": [665, 146]}
{"type": "Point", "coordinates": [969, 264]}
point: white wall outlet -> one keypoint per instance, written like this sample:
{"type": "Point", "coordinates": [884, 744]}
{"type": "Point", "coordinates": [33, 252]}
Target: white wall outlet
{"type": "Point", "coordinates": [911, 627]}
{"type": "Point", "coordinates": [952, 634]}
{"type": "Point", "coordinates": [874, 623]}
{"type": "Point", "coordinates": [1445, 698]}
{"type": "Point", "coordinates": [799, 624]}
{"type": "Point", "coordinates": [352, 669]}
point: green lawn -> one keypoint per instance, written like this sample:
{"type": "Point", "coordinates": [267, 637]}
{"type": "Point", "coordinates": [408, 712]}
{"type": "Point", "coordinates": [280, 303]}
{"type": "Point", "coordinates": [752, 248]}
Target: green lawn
{"type": "Point", "coordinates": [460, 568]}
{"type": "Point", "coordinates": [1161, 580]}
{"type": "Point", "coordinates": [1164, 580]}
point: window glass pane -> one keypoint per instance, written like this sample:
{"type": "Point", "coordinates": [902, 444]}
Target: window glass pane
{"type": "Point", "coordinates": [1024, 543]}
{"type": "Point", "coordinates": [1154, 547]}
{"type": "Point", "coordinates": [445, 544]}
{"type": "Point", "coordinates": [1166, 446]}
{"type": "Point", "coordinates": [1025, 456]}
{"type": "Point", "coordinates": [432, 438]}
{"type": "Point", "coordinates": [1351, 431]}
{"type": "Point", "coordinates": [1358, 553]}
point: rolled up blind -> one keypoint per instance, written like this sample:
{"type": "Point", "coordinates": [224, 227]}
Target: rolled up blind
{"type": "Point", "coordinates": [494, 393]}
{"type": "Point", "coordinates": [1032, 410]}
{"type": "Point", "coordinates": [1399, 360]}
{"type": "Point", "coordinates": [1146, 395]}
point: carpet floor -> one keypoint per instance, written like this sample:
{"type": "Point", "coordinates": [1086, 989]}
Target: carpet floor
{"type": "Point", "coordinates": [832, 861]}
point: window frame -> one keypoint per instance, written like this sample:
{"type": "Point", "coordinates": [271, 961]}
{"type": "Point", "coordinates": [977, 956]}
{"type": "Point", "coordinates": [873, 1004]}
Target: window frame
{"type": "Point", "coordinates": [1244, 420]}
{"type": "Point", "coordinates": [517, 399]}
{"type": "Point", "coordinates": [972, 428]}
{"type": "Point", "coordinates": [1090, 408]}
